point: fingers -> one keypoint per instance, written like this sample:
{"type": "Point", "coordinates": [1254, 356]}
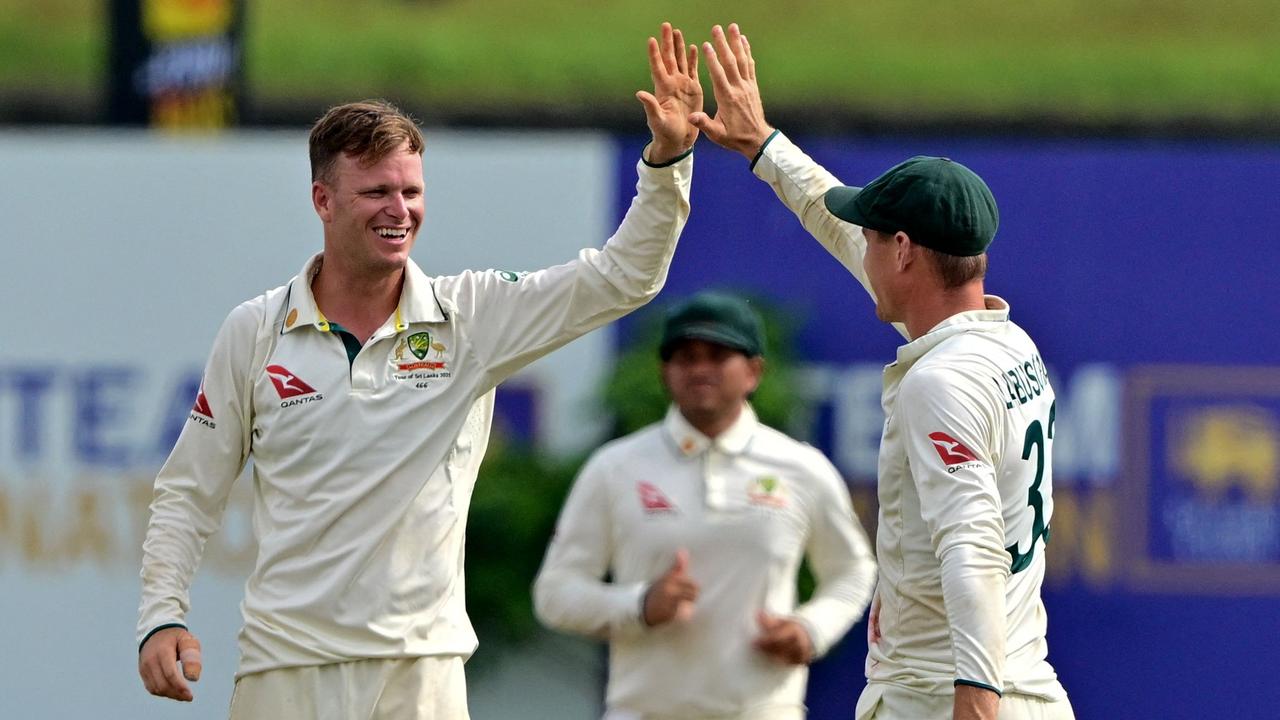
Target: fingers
{"type": "Point", "coordinates": [685, 590]}
{"type": "Point", "coordinates": [716, 71]}
{"type": "Point", "coordinates": [677, 51]}
{"type": "Point", "coordinates": [172, 684]}
{"type": "Point", "coordinates": [727, 59]}
{"type": "Point", "coordinates": [751, 61]}
{"type": "Point", "coordinates": [158, 663]}
{"type": "Point", "coordinates": [774, 640]}
{"type": "Point", "coordinates": [148, 678]}
{"type": "Point", "coordinates": [668, 52]}
{"type": "Point", "coordinates": [656, 68]}
{"type": "Point", "coordinates": [739, 53]}
{"type": "Point", "coordinates": [189, 656]}
{"type": "Point", "coordinates": [782, 639]}
{"type": "Point", "coordinates": [692, 61]}
{"type": "Point", "coordinates": [684, 612]}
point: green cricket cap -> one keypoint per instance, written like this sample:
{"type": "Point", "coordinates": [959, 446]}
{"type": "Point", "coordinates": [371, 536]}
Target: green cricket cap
{"type": "Point", "coordinates": [938, 202]}
{"type": "Point", "coordinates": [717, 318]}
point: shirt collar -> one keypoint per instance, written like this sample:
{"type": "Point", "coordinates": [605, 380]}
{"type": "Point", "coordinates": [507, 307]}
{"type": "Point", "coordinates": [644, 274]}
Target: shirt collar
{"type": "Point", "coordinates": [996, 311]}
{"type": "Point", "coordinates": [689, 441]}
{"type": "Point", "coordinates": [417, 299]}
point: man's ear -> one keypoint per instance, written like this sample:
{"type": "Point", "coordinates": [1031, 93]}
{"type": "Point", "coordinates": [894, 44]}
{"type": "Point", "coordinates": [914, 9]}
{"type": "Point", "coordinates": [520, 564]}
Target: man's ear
{"type": "Point", "coordinates": [757, 370]}
{"type": "Point", "coordinates": [322, 200]}
{"type": "Point", "coordinates": [905, 251]}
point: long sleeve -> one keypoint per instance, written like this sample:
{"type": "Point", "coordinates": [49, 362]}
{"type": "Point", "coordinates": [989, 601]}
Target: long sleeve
{"type": "Point", "coordinates": [516, 318]}
{"type": "Point", "coordinates": [949, 445]}
{"type": "Point", "coordinates": [191, 489]}
{"type": "Point", "coordinates": [569, 593]}
{"type": "Point", "coordinates": [842, 563]}
{"type": "Point", "coordinates": [801, 184]}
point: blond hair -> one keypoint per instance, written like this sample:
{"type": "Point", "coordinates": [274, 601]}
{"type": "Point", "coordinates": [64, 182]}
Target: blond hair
{"type": "Point", "coordinates": [368, 130]}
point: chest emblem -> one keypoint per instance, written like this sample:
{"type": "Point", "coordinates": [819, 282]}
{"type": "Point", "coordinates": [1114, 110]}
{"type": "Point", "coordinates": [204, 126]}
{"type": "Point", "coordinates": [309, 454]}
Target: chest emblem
{"type": "Point", "coordinates": [292, 389]}
{"type": "Point", "coordinates": [653, 500]}
{"type": "Point", "coordinates": [427, 352]}
{"type": "Point", "coordinates": [767, 490]}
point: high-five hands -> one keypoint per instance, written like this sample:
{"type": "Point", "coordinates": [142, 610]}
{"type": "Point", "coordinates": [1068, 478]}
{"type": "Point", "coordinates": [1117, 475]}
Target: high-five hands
{"type": "Point", "coordinates": [671, 596]}
{"type": "Point", "coordinates": [676, 96]}
{"type": "Point", "coordinates": [158, 663]}
{"type": "Point", "coordinates": [739, 123]}
{"type": "Point", "coordinates": [783, 639]}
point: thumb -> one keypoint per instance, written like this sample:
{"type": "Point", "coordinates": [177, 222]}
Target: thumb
{"type": "Point", "coordinates": [681, 565]}
{"type": "Point", "coordinates": [765, 620]}
{"type": "Point", "coordinates": [189, 656]}
{"type": "Point", "coordinates": [650, 102]}
{"type": "Point", "coordinates": [708, 125]}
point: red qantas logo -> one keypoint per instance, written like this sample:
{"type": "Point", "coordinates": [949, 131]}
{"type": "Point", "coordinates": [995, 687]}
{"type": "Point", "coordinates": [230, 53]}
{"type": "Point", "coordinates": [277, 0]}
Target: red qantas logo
{"type": "Point", "coordinates": [287, 384]}
{"type": "Point", "coordinates": [950, 449]}
{"type": "Point", "coordinates": [653, 499]}
{"type": "Point", "coordinates": [202, 405]}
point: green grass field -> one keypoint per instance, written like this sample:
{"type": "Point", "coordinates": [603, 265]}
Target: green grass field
{"type": "Point", "coordinates": [1093, 60]}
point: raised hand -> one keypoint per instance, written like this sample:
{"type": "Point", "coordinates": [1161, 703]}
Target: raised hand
{"type": "Point", "coordinates": [671, 596]}
{"type": "Point", "coordinates": [158, 663]}
{"type": "Point", "coordinates": [783, 639]}
{"type": "Point", "coordinates": [677, 94]}
{"type": "Point", "coordinates": [739, 123]}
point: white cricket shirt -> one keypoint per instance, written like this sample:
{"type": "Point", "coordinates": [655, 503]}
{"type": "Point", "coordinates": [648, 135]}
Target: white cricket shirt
{"type": "Point", "coordinates": [363, 471]}
{"type": "Point", "coordinates": [965, 482]}
{"type": "Point", "coordinates": [747, 506]}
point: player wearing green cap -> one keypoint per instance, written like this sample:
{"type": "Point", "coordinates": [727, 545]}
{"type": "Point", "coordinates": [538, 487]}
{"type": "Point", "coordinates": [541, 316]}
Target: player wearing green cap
{"type": "Point", "coordinates": [701, 521]}
{"type": "Point", "coordinates": [965, 480]}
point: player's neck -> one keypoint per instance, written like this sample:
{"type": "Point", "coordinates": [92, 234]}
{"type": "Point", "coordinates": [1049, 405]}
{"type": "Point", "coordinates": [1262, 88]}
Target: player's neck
{"type": "Point", "coordinates": [931, 308]}
{"type": "Point", "coordinates": [360, 302]}
{"type": "Point", "coordinates": [712, 424]}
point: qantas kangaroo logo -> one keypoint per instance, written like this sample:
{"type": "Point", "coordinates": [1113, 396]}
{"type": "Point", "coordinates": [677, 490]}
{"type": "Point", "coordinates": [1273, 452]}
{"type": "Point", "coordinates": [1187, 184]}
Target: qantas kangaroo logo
{"type": "Point", "coordinates": [287, 384]}
{"type": "Point", "coordinates": [653, 499]}
{"type": "Point", "coordinates": [201, 412]}
{"type": "Point", "coordinates": [950, 449]}
{"type": "Point", "coordinates": [202, 405]}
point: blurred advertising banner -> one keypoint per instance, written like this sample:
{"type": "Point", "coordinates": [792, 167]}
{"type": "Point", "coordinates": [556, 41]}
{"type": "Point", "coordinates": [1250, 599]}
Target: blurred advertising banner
{"type": "Point", "coordinates": [1207, 442]}
{"type": "Point", "coordinates": [176, 64]}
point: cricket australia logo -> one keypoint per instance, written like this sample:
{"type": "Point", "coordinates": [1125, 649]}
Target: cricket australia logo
{"type": "Point", "coordinates": [767, 490]}
{"type": "Point", "coordinates": [291, 388]}
{"type": "Point", "coordinates": [427, 361]}
{"type": "Point", "coordinates": [954, 454]}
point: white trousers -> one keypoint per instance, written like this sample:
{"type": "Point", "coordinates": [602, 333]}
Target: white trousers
{"type": "Point", "coordinates": [423, 688]}
{"type": "Point", "coordinates": [882, 701]}
{"type": "Point", "coordinates": [773, 713]}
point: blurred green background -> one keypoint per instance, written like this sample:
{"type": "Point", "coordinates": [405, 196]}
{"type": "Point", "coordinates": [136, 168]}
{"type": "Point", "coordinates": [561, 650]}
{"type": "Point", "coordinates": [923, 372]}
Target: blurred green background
{"type": "Point", "coordinates": [1092, 64]}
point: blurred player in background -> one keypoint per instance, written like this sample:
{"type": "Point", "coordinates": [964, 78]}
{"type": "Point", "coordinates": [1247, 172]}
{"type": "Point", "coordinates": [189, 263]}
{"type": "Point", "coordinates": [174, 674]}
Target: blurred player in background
{"type": "Point", "coordinates": [965, 486]}
{"type": "Point", "coordinates": [702, 521]}
{"type": "Point", "coordinates": [363, 391]}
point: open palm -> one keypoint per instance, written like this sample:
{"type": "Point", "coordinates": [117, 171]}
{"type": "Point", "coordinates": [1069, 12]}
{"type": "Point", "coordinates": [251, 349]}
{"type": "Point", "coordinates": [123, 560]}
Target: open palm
{"type": "Point", "coordinates": [677, 93]}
